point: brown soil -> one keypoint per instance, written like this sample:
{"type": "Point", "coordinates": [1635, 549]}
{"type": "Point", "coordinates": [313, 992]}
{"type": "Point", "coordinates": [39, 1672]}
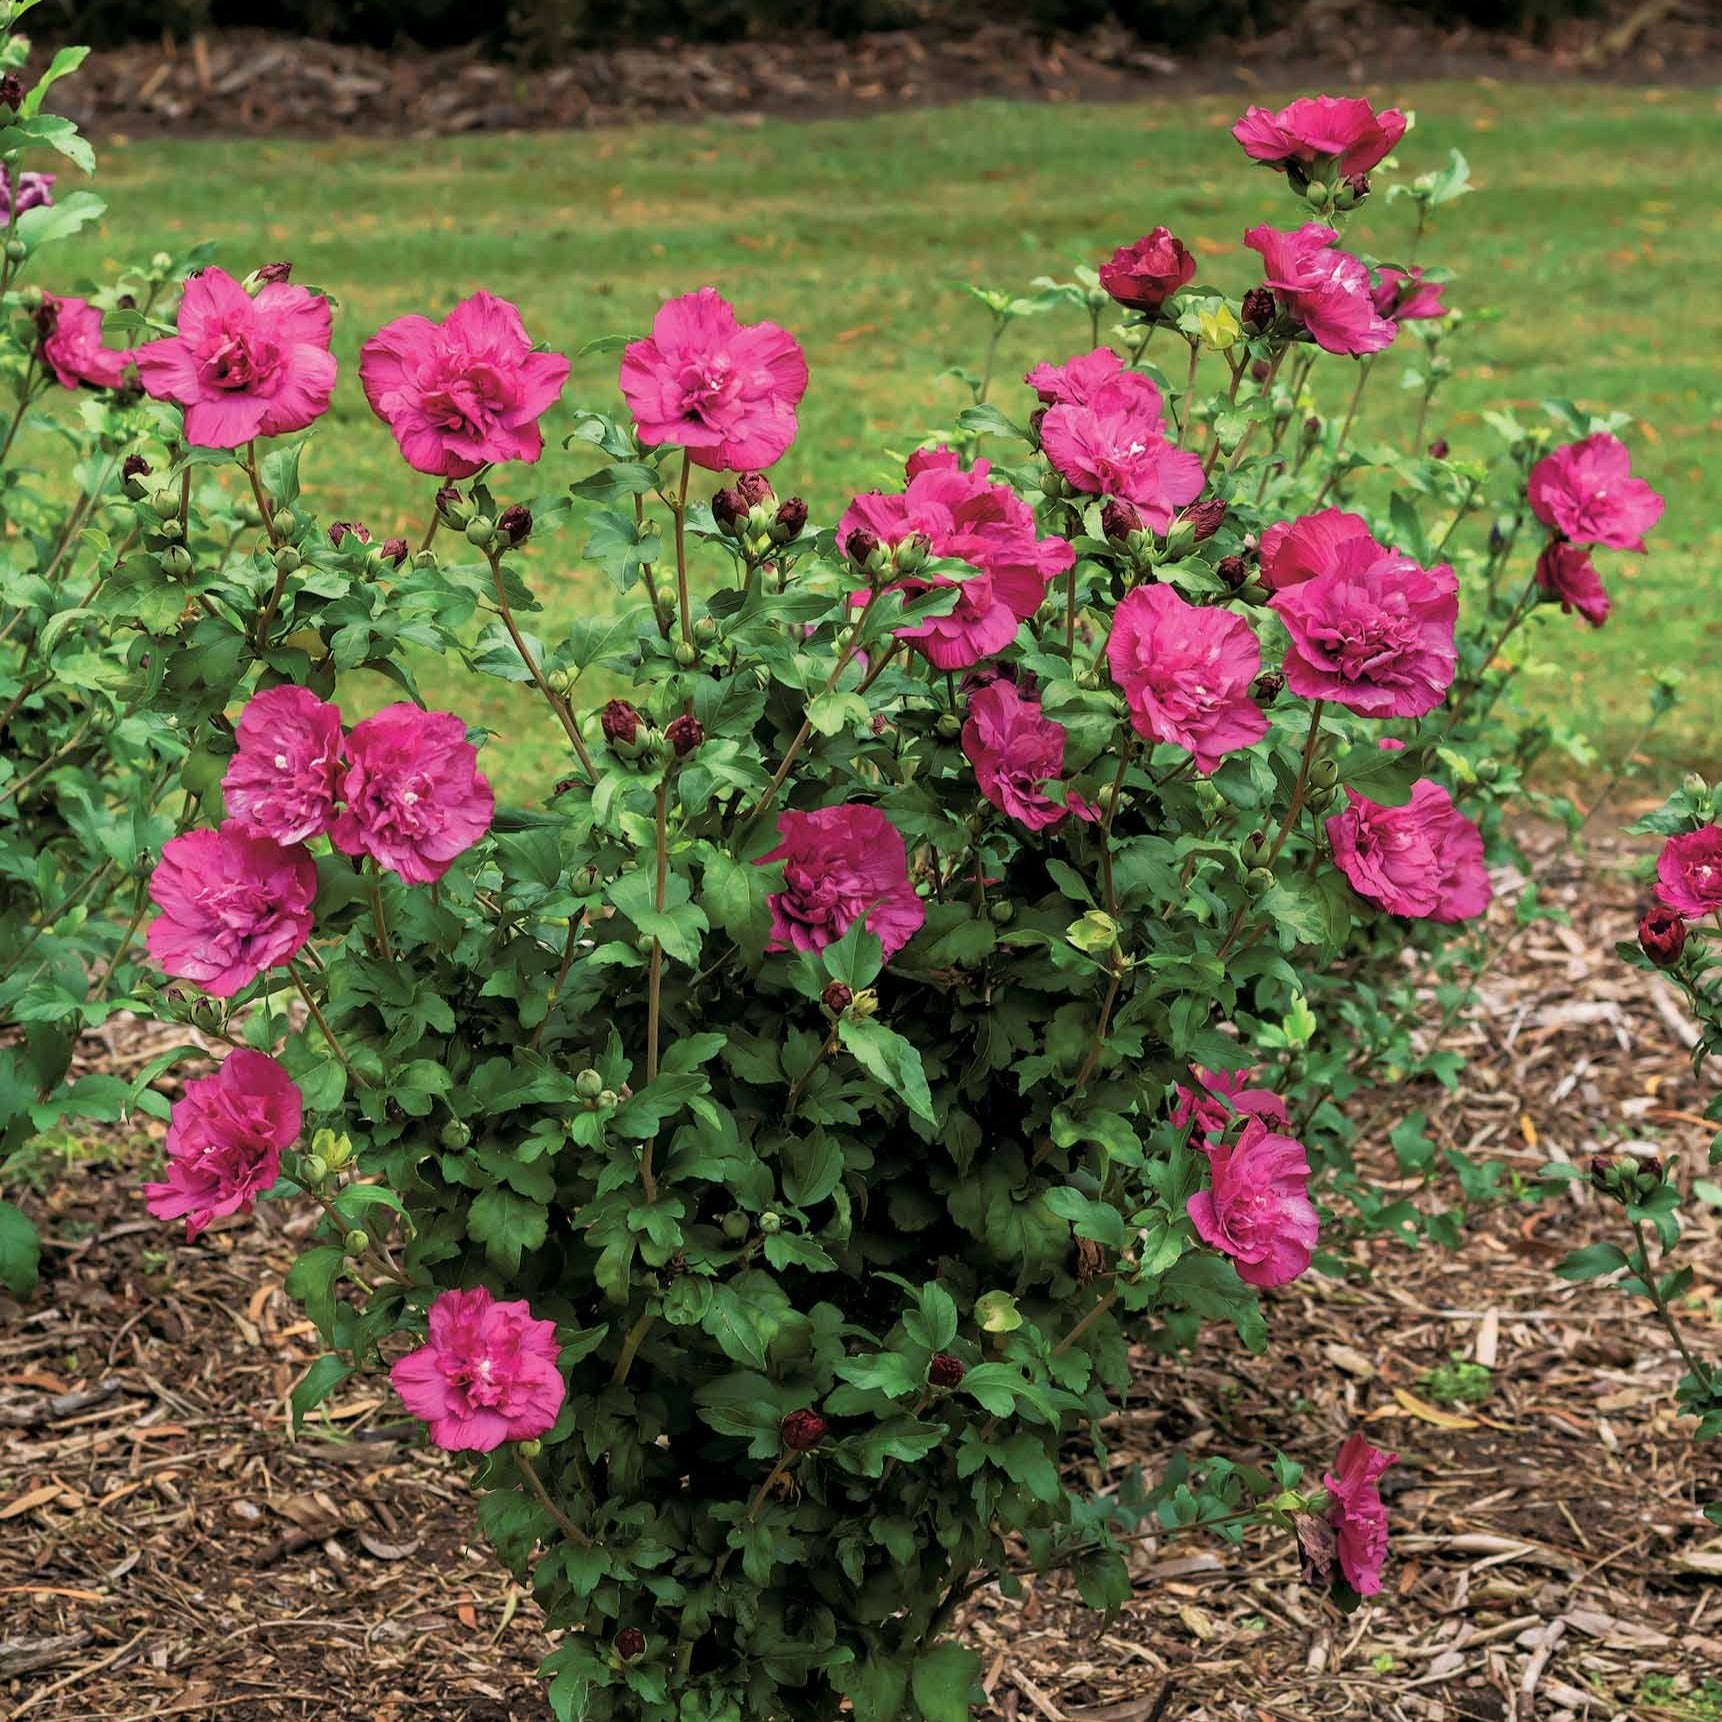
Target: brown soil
{"type": "Point", "coordinates": [250, 82]}
{"type": "Point", "coordinates": [166, 1550]}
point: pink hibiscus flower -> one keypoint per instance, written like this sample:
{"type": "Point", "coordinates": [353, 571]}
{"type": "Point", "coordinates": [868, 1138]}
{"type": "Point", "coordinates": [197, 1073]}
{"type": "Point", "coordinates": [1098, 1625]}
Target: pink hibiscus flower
{"type": "Point", "coordinates": [233, 903]}
{"type": "Point", "coordinates": [725, 391]}
{"type": "Point", "coordinates": [487, 1373]}
{"type": "Point", "coordinates": [1214, 1099]}
{"type": "Point", "coordinates": [1014, 749]}
{"type": "Point", "coordinates": [1080, 378]}
{"type": "Point", "coordinates": [841, 865]}
{"type": "Point", "coordinates": [415, 798]}
{"type": "Point", "coordinates": [1256, 1208]}
{"type": "Point", "coordinates": [464, 393]}
{"type": "Point", "coordinates": [35, 191]}
{"type": "Point", "coordinates": [242, 367]}
{"type": "Point", "coordinates": [1327, 289]}
{"type": "Point", "coordinates": [1689, 872]}
{"type": "Point", "coordinates": [284, 779]}
{"type": "Point", "coordinates": [1566, 572]}
{"type": "Point", "coordinates": [1143, 276]}
{"type": "Point", "coordinates": [964, 516]}
{"type": "Point", "coordinates": [1339, 133]}
{"type": "Point", "coordinates": [1374, 633]}
{"type": "Point", "coordinates": [1114, 444]}
{"type": "Point", "coordinates": [72, 349]}
{"type": "Point", "coordinates": [1186, 671]}
{"type": "Point", "coordinates": [1403, 296]}
{"type": "Point", "coordinates": [224, 1140]}
{"type": "Point", "coordinates": [1356, 1514]}
{"type": "Point", "coordinates": [1586, 492]}
{"type": "Point", "coordinates": [1424, 859]}
{"type": "Point", "coordinates": [1293, 551]}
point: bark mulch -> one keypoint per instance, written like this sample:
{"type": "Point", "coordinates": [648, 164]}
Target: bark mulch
{"type": "Point", "coordinates": [247, 81]}
{"type": "Point", "coordinates": [166, 1550]}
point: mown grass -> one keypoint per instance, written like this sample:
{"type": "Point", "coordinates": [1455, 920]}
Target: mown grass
{"type": "Point", "coordinates": [1595, 237]}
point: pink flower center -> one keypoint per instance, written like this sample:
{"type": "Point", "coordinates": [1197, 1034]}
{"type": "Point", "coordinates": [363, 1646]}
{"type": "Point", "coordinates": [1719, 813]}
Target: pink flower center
{"type": "Point", "coordinates": [240, 362]}
{"type": "Point", "coordinates": [467, 401]}
{"type": "Point", "coordinates": [707, 384]}
{"type": "Point", "coordinates": [475, 1377]}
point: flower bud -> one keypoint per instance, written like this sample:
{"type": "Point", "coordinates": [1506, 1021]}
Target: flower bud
{"type": "Point", "coordinates": [944, 1370]}
{"type": "Point", "coordinates": [1035, 420]}
{"type": "Point", "coordinates": [911, 553]}
{"type": "Point", "coordinates": [837, 998]}
{"type": "Point", "coordinates": [16, 250]}
{"type": "Point", "coordinates": [356, 1243]}
{"type": "Point", "coordinates": [1118, 519]}
{"type": "Point", "coordinates": [1258, 881]}
{"type": "Point", "coordinates": [684, 733]}
{"type": "Point", "coordinates": [770, 1224]}
{"type": "Point", "coordinates": [287, 559]}
{"type": "Point", "coordinates": [1438, 449]}
{"type": "Point", "coordinates": [349, 529]}
{"type": "Point", "coordinates": [1488, 770]}
{"type": "Point", "coordinates": [1259, 308]}
{"type": "Point", "coordinates": [1311, 428]}
{"type": "Point", "coordinates": [949, 726]}
{"type": "Point", "coordinates": [802, 1430]}
{"type": "Point", "coordinates": [861, 545]}
{"type": "Point", "coordinates": [1324, 774]}
{"type": "Point", "coordinates": [1002, 912]}
{"type": "Point", "coordinates": [11, 92]}
{"type": "Point", "coordinates": [729, 510]}
{"type": "Point", "coordinates": [175, 561]}
{"type": "Point", "coordinates": [286, 523]}
{"type": "Point", "coordinates": [268, 275]}
{"type": "Point", "coordinates": [1269, 685]}
{"type": "Point", "coordinates": [132, 475]}
{"type": "Point", "coordinates": [608, 1098]}
{"type": "Point", "coordinates": [480, 531]}
{"type": "Point", "coordinates": [450, 507]}
{"type": "Point", "coordinates": [621, 723]}
{"type": "Point", "coordinates": [755, 489]}
{"type": "Point", "coordinates": [1253, 851]}
{"type": "Point", "coordinates": [630, 1642]}
{"type": "Point", "coordinates": [789, 521]}
{"type": "Point", "coordinates": [455, 1133]}
{"type": "Point", "coordinates": [1234, 570]}
{"type": "Point", "coordinates": [515, 523]}
{"type": "Point", "coordinates": [588, 1085]}
{"type": "Point", "coordinates": [1204, 518]}
{"type": "Point", "coordinates": [529, 1449]}
{"type": "Point", "coordinates": [394, 550]}
{"type": "Point", "coordinates": [314, 1169]}
{"type": "Point", "coordinates": [171, 530]}
{"type": "Point", "coordinates": [1662, 936]}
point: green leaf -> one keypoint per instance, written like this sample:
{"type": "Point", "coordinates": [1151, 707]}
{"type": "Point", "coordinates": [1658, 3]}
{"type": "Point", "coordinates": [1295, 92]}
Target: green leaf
{"type": "Point", "coordinates": [946, 1682]}
{"type": "Point", "coordinates": [888, 1058]}
{"type": "Point", "coordinates": [507, 1224]}
{"type": "Point", "coordinates": [1592, 1262]}
{"type": "Point", "coordinates": [64, 63]}
{"type": "Point", "coordinates": [20, 1250]}
{"type": "Point", "coordinates": [316, 1384]}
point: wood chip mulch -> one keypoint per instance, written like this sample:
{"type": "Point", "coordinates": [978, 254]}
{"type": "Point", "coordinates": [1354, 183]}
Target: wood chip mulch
{"type": "Point", "coordinates": [248, 81]}
{"type": "Point", "coordinates": [166, 1550]}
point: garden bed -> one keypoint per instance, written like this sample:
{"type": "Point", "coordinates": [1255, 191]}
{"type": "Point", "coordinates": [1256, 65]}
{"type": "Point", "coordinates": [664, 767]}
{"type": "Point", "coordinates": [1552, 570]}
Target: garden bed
{"type": "Point", "coordinates": [252, 82]}
{"type": "Point", "coordinates": [166, 1551]}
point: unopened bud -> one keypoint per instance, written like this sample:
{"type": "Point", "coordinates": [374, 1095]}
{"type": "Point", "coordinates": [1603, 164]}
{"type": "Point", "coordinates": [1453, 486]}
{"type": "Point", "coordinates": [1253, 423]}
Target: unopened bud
{"type": "Point", "coordinates": [515, 523]}
{"type": "Point", "coordinates": [630, 1643]}
{"type": "Point", "coordinates": [802, 1431]}
{"type": "Point", "coordinates": [790, 519]}
{"type": "Point", "coordinates": [133, 474]}
{"type": "Point", "coordinates": [480, 531]}
{"type": "Point", "coordinates": [450, 507]}
{"type": "Point", "coordinates": [729, 510]}
{"type": "Point", "coordinates": [1118, 519]}
{"type": "Point", "coordinates": [314, 1168]}
{"type": "Point", "coordinates": [349, 529]}
{"type": "Point", "coordinates": [684, 733]}
{"type": "Point", "coordinates": [1258, 881]}
{"type": "Point", "coordinates": [621, 723]}
{"type": "Point", "coordinates": [1438, 449]}
{"type": "Point", "coordinates": [944, 1370]}
{"type": "Point", "coordinates": [588, 1084]}
{"type": "Point", "coordinates": [394, 550]}
{"type": "Point", "coordinates": [287, 559]}
{"type": "Point", "coordinates": [1269, 685]}
{"type": "Point", "coordinates": [175, 561]}
{"type": "Point", "coordinates": [1259, 308]}
{"type": "Point", "coordinates": [686, 654]}
{"type": "Point", "coordinates": [11, 92]}
{"type": "Point", "coordinates": [861, 545]}
{"type": "Point", "coordinates": [456, 1133]}
{"type": "Point", "coordinates": [356, 1243]}
{"type": "Point", "coordinates": [1234, 570]}
{"type": "Point", "coordinates": [267, 275]}
{"type": "Point", "coordinates": [1324, 774]}
{"type": "Point", "coordinates": [1204, 518]}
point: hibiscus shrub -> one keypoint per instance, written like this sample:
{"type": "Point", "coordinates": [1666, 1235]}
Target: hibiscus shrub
{"type": "Point", "coordinates": [932, 971]}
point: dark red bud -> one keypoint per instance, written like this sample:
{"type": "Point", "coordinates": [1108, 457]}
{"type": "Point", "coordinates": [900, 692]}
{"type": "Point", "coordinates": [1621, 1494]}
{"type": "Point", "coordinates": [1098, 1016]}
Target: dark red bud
{"type": "Point", "coordinates": [630, 1642]}
{"type": "Point", "coordinates": [620, 722]}
{"type": "Point", "coordinates": [273, 272]}
{"type": "Point", "coordinates": [837, 998]}
{"type": "Point", "coordinates": [11, 91]}
{"type": "Point", "coordinates": [1035, 420]}
{"type": "Point", "coordinates": [46, 317]}
{"type": "Point", "coordinates": [135, 467]}
{"type": "Point", "coordinates": [684, 734]}
{"type": "Point", "coordinates": [1662, 936]}
{"type": "Point", "coordinates": [396, 550]}
{"type": "Point", "coordinates": [791, 517]}
{"type": "Point", "coordinates": [945, 1370]}
{"type": "Point", "coordinates": [1359, 183]}
{"type": "Point", "coordinates": [729, 507]}
{"type": "Point", "coordinates": [1118, 519]}
{"type": "Point", "coordinates": [447, 497]}
{"type": "Point", "coordinates": [1233, 570]}
{"type": "Point", "coordinates": [1269, 685]}
{"type": "Point", "coordinates": [349, 528]}
{"type": "Point", "coordinates": [754, 488]}
{"type": "Point", "coordinates": [803, 1430]}
{"type": "Point", "coordinates": [861, 544]}
{"type": "Point", "coordinates": [1205, 517]}
{"type": "Point", "coordinates": [1438, 448]}
{"type": "Point", "coordinates": [516, 522]}
{"type": "Point", "coordinates": [1261, 370]}
{"type": "Point", "coordinates": [1312, 427]}
{"type": "Point", "coordinates": [1259, 308]}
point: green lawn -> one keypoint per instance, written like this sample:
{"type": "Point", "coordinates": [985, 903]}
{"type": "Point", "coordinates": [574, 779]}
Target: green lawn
{"type": "Point", "coordinates": [1595, 236]}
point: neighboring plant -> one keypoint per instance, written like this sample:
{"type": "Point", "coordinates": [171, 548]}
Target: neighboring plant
{"type": "Point", "coordinates": [1678, 936]}
{"type": "Point", "coordinates": [920, 986]}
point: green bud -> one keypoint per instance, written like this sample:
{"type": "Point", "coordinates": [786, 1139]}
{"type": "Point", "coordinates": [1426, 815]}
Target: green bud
{"type": "Point", "coordinates": [609, 1097]}
{"type": "Point", "coordinates": [1324, 774]}
{"type": "Point", "coordinates": [1694, 783]}
{"type": "Point", "coordinates": [32, 298]}
{"type": "Point", "coordinates": [287, 559]}
{"type": "Point", "coordinates": [705, 630]}
{"type": "Point", "coordinates": [161, 262]}
{"type": "Point", "coordinates": [424, 559]}
{"type": "Point", "coordinates": [1258, 881]}
{"type": "Point", "coordinates": [588, 1085]}
{"type": "Point", "coordinates": [910, 554]}
{"type": "Point", "coordinates": [286, 522]}
{"type": "Point", "coordinates": [165, 502]}
{"type": "Point", "coordinates": [16, 250]}
{"type": "Point", "coordinates": [950, 726]}
{"type": "Point", "coordinates": [171, 529]}
{"type": "Point", "coordinates": [1003, 911]}
{"type": "Point", "coordinates": [175, 561]}
{"type": "Point", "coordinates": [356, 1243]}
{"type": "Point", "coordinates": [770, 1224]}
{"type": "Point", "coordinates": [1254, 849]}
{"type": "Point", "coordinates": [529, 1449]}
{"type": "Point", "coordinates": [480, 530]}
{"type": "Point", "coordinates": [1317, 193]}
{"type": "Point", "coordinates": [456, 1133]}
{"type": "Point", "coordinates": [735, 1226]}
{"type": "Point", "coordinates": [315, 1169]}
{"type": "Point", "coordinates": [336, 1150]}
{"type": "Point", "coordinates": [686, 655]}
{"type": "Point", "coordinates": [560, 681]}
{"type": "Point", "coordinates": [1488, 770]}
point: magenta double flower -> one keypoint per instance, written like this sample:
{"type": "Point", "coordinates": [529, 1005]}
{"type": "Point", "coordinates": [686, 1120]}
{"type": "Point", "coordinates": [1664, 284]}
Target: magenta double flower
{"type": "Point", "coordinates": [1423, 860]}
{"type": "Point", "coordinates": [1015, 749]}
{"type": "Point", "coordinates": [1689, 872]}
{"type": "Point", "coordinates": [72, 348]}
{"type": "Point", "coordinates": [1326, 289]}
{"type": "Point", "coordinates": [841, 865]}
{"type": "Point", "coordinates": [1113, 443]}
{"type": "Point", "coordinates": [1256, 1208]}
{"type": "Point", "coordinates": [1339, 134]}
